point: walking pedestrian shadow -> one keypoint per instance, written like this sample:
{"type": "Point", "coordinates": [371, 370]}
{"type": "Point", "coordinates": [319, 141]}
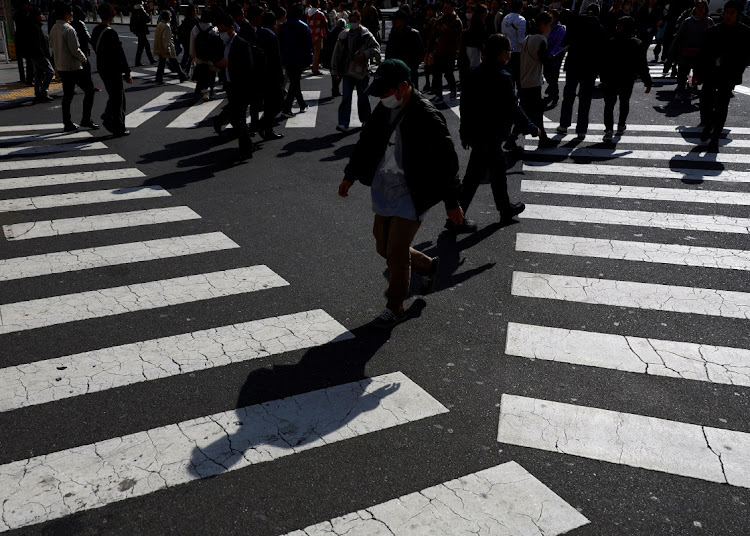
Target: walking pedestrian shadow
{"type": "Point", "coordinates": [707, 166]}
{"type": "Point", "coordinates": [268, 424]}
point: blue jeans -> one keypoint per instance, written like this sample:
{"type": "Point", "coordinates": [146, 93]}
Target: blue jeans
{"type": "Point", "coordinates": [43, 74]}
{"type": "Point", "coordinates": [363, 103]}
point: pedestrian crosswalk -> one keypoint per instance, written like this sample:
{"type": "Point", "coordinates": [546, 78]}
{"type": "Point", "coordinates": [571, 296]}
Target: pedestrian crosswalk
{"type": "Point", "coordinates": [59, 482]}
{"type": "Point", "coordinates": [572, 185]}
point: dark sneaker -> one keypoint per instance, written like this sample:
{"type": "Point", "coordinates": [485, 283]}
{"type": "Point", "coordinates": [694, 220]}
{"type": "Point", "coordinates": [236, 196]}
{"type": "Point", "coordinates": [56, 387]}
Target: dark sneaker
{"type": "Point", "coordinates": [706, 133]}
{"type": "Point", "coordinates": [70, 127]}
{"type": "Point", "coordinates": [514, 209]}
{"type": "Point", "coordinates": [216, 121]}
{"type": "Point", "coordinates": [388, 319]}
{"type": "Point", "coordinates": [90, 124]}
{"type": "Point", "coordinates": [467, 226]}
{"type": "Point", "coordinates": [429, 281]}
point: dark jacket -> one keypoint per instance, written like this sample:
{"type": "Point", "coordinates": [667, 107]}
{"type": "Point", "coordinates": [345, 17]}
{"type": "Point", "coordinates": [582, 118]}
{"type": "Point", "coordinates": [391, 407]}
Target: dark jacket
{"type": "Point", "coordinates": [240, 65]}
{"type": "Point", "coordinates": [295, 40]}
{"type": "Point", "coordinates": [406, 45]}
{"type": "Point", "coordinates": [37, 45]}
{"type": "Point", "coordinates": [84, 40]}
{"type": "Point", "coordinates": [273, 73]}
{"type": "Point", "coordinates": [724, 53]}
{"type": "Point", "coordinates": [429, 158]}
{"type": "Point", "coordinates": [624, 60]}
{"type": "Point", "coordinates": [110, 57]}
{"type": "Point", "coordinates": [489, 106]}
{"type": "Point", "coordinates": [585, 38]}
{"type": "Point", "coordinates": [139, 21]}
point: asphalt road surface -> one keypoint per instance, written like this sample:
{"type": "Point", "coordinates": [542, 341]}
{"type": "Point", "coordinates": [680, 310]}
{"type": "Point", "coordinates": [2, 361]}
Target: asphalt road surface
{"type": "Point", "coordinates": [185, 350]}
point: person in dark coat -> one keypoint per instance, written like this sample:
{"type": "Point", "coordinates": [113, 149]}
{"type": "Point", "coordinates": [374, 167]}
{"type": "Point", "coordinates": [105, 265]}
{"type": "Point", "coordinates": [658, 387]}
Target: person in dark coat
{"type": "Point", "coordinates": [405, 44]}
{"type": "Point", "coordinates": [272, 77]}
{"type": "Point", "coordinates": [584, 38]}
{"type": "Point", "coordinates": [113, 70]}
{"type": "Point", "coordinates": [484, 128]}
{"type": "Point", "coordinates": [722, 59]}
{"type": "Point", "coordinates": [238, 69]}
{"type": "Point", "coordinates": [624, 60]}
{"type": "Point", "coordinates": [24, 23]}
{"type": "Point", "coordinates": [139, 21]}
{"type": "Point", "coordinates": [39, 54]}
{"type": "Point", "coordinates": [295, 41]}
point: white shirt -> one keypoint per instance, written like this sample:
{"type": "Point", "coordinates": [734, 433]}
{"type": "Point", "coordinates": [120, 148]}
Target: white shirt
{"type": "Point", "coordinates": [514, 26]}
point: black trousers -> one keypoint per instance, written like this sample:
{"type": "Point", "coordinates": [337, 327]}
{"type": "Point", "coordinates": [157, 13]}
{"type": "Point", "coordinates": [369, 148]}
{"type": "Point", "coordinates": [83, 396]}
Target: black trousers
{"type": "Point", "coordinates": [173, 65]}
{"type": "Point", "coordinates": [272, 102]}
{"type": "Point", "coordinates": [114, 113]}
{"type": "Point", "coordinates": [533, 105]}
{"type": "Point", "coordinates": [143, 44]}
{"type": "Point", "coordinates": [295, 89]}
{"type": "Point", "coordinates": [486, 157]}
{"type": "Point", "coordinates": [551, 72]}
{"type": "Point", "coordinates": [613, 91]}
{"type": "Point", "coordinates": [82, 79]}
{"type": "Point", "coordinates": [236, 109]}
{"type": "Point", "coordinates": [714, 103]}
{"type": "Point", "coordinates": [443, 66]}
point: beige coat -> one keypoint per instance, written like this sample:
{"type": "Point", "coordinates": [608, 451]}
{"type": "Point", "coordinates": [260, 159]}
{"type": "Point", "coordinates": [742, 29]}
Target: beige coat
{"type": "Point", "coordinates": [163, 44]}
{"type": "Point", "coordinates": [65, 48]}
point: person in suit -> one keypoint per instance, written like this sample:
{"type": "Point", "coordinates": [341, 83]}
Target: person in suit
{"type": "Point", "coordinates": [238, 68]}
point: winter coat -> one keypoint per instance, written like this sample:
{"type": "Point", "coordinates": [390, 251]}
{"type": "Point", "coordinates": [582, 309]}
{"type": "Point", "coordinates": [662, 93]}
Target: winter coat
{"type": "Point", "coordinates": [624, 60]}
{"type": "Point", "coordinates": [447, 39]}
{"type": "Point", "coordinates": [687, 40]}
{"type": "Point", "coordinates": [65, 48]}
{"type": "Point", "coordinates": [295, 40]}
{"type": "Point", "coordinates": [585, 38]}
{"type": "Point", "coordinates": [406, 45]}
{"type": "Point", "coordinates": [163, 44]}
{"type": "Point", "coordinates": [110, 57]}
{"type": "Point", "coordinates": [724, 53]}
{"type": "Point", "coordinates": [365, 43]}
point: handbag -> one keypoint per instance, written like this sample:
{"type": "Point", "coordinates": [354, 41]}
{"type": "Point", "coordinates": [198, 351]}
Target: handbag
{"type": "Point", "coordinates": [357, 68]}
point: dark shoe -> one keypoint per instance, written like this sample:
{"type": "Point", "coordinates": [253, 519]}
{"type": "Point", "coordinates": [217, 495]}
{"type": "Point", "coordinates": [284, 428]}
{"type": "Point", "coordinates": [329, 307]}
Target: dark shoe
{"type": "Point", "coordinates": [70, 127]}
{"type": "Point", "coordinates": [139, 64]}
{"type": "Point", "coordinates": [286, 113]}
{"type": "Point", "coordinates": [513, 148]}
{"type": "Point", "coordinates": [303, 108]}
{"type": "Point", "coordinates": [706, 133]}
{"type": "Point", "coordinates": [336, 93]}
{"type": "Point", "coordinates": [514, 209]}
{"type": "Point", "coordinates": [246, 153]}
{"type": "Point", "coordinates": [43, 98]}
{"type": "Point", "coordinates": [388, 319]}
{"type": "Point", "coordinates": [467, 226]}
{"type": "Point", "coordinates": [270, 135]}
{"type": "Point", "coordinates": [429, 281]}
{"type": "Point", "coordinates": [217, 125]}
{"type": "Point", "coordinates": [713, 144]}
{"type": "Point", "coordinates": [121, 133]}
{"type": "Point", "coordinates": [547, 143]}
{"type": "Point", "coordinates": [90, 124]}
{"type": "Point", "coordinates": [453, 95]}
{"type": "Point", "coordinates": [153, 62]}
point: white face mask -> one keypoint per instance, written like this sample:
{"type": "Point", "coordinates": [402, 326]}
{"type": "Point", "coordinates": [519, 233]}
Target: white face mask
{"type": "Point", "coordinates": [225, 37]}
{"type": "Point", "coordinates": [354, 26]}
{"type": "Point", "coordinates": [392, 102]}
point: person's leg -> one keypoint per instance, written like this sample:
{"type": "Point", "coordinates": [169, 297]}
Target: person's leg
{"type": "Point", "coordinates": [160, 70]}
{"type": "Point", "coordinates": [298, 90]}
{"type": "Point", "coordinates": [139, 50]}
{"type": "Point", "coordinates": [83, 80]}
{"type": "Point", "coordinates": [427, 74]}
{"type": "Point", "coordinates": [474, 173]}
{"type": "Point", "coordinates": [498, 179]}
{"type": "Point", "coordinates": [363, 102]}
{"type": "Point", "coordinates": [400, 256]}
{"type": "Point", "coordinates": [707, 104]}
{"type": "Point", "coordinates": [289, 99]}
{"type": "Point", "coordinates": [683, 69]}
{"type": "Point", "coordinates": [585, 94]}
{"type": "Point", "coordinates": [625, 92]}
{"type": "Point", "coordinates": [723, 98]}
{"type": "Point", "coordinates": [610, 98]}
{"type": "Point", "coordinates": [148, 50]}
{"type": "Point", "coordinates": [345, 107]}
{"type": "Point", "coordinates": [569, 95]}
{"type": "Point", "coordinates": [69, 87]}
{"type": "Point", "coordinates": [437, 76]}
{"type": "Point", "coordinates": [238, 118]}
{"type": "Point", "coordinates": [317, 45]}
{"type": "Point", "coordinates": [450, 65]}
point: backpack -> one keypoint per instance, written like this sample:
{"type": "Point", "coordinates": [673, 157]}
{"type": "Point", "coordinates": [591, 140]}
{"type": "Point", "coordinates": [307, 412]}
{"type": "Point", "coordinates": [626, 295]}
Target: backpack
{"type": "Point", "coordinates": [208, 46]}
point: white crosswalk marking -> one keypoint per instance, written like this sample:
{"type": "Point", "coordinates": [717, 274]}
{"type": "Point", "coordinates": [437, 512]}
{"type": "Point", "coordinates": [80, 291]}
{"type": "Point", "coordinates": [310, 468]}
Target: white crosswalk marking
{"type": "Point", "coordinates": [711, 454]}
{"type": "Point", "coordinates": [635, 192]}
{"type": "Point", "coordinates": [13, 183]}
{"type": "Point", "coordinates": [33, 314]}
{"type": "Point", "coordinates": [636, 218]}
{"type": "Point", "coordinates": [693, 300]}
{"type": "Point", "coordinates": [589, 152]}
{"type": "Point", "coordinates": [45, 137]}
{"type": "Point", "coordinates": [676, 129]}
{"type": "Point", "coordinates": [647, 140]}
{"type": "Point", "coordinates": [85, 224]}
{"type": "Point", "coordinates": [137, 117]}
{"type": "Point", "coordinates": [197, 113]}
{"type": "Point", "coordinates": [742, 89]}
{"type": "Point", "coordinates": [27, 128]}
{"type": "Point", "coordinates": [597, 168]}
{"type": "Point", "coordinates": [82, 198]}
{"type": "Point", "coordinates": [505, 499]}
{"type": "Point", "coordinates": [75, 375]}
{"type": "Point", "coordinates": [34, 490]}
{"type": "Point", "coordinates": [673, 359]}
{"type": "Point", "coordinates": [60, 148]}
{"type": "Point", "coordinates": [96, 257]}
{"type": "Point", "coordinates": [310, 117]}
{"type": "Point", "coordinates": [676, 254]}
{"type": "Point", "coordinates": [61, 162]}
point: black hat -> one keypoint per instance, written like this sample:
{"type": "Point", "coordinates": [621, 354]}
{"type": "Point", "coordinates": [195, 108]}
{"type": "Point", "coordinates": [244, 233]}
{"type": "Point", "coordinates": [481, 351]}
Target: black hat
{"type": "Point", "coordinates": [388, 76]}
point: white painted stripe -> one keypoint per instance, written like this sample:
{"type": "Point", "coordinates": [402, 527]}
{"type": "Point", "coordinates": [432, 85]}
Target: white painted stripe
{"type": "Point", "coordinates": [82, 198]}
{"type": "Point", "coordinates": [588, 152]}
{"type": "Point", "coordinates": [27, 128]}
{"type": "Point", "coordinates": [645, 140]}
{"type": "Point", "coordinates": [197, 113]}
{"type": "Point", "coordinates": [33, 314]}
{"type": "Point", "coordinates": [700, 362]}
{"type": "Point", "coordinates": [109, 368]}
{"type": "Point", "coordinates": [693, 300]}
{"type": "Point", "coordinates": [310, 117]}
{"type": "Point", "coordinates": [505, 499]}
{"type": "Point", "coordinates": [683, 195]}
{"type": "Point", "coordinates": [676, 448]}
{"type": "Point", "coordinates": [44, 149]}
{"type": "Point", "coordinates": [34, 490]}
{"type": "Point", "coordinates": [597, 168]}
{"type": "Point", "coordinates": [659, 220]}
{"type": "Point", "coordinates": [85, 224]}
{"type": "Point", "coordinates": [69, 178]}
{"type": "Point", "coordinates": [137, 117]}
{"type": "Point", "coordinates": [61, 162]}
{"type": "Point", "coordinates": [46, 137]}
{"type": "Point", "coordinates": [96, 257]}
{"type": "Point", "coordinates": [654, 128]}
{"type": "Point", "coordinates": [742, 89]}
{"type": "Point", "coordinates": [677, 254]}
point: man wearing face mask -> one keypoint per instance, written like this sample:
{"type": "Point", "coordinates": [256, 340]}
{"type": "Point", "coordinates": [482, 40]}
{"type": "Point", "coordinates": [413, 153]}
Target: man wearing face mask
{"type": "Point", "coordinates": [238, 68]}
{"type": "Point", "coordinates": [405, 153]}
